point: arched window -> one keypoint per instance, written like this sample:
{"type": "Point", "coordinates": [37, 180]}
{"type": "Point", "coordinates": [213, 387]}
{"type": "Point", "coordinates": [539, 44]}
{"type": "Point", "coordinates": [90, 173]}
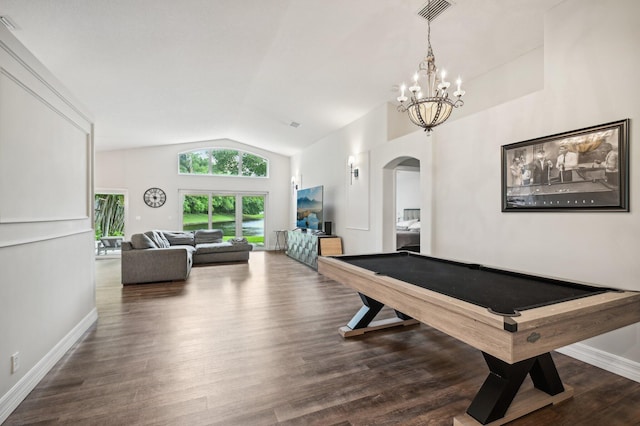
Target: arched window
{"type": "Point", "coordinates": [222, 162]}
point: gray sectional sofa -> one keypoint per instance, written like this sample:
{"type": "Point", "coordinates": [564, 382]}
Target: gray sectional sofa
{"type": "Point", "coordinates": [168, 255]}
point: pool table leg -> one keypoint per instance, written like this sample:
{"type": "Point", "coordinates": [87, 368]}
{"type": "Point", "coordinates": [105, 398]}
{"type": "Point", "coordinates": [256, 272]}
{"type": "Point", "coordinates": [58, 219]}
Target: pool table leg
{"type": "Point", "coordinates": [366, 314]}
{"type": "Point", "coordinates": [362, 322]}
{"type": "Point", "coordinates": [504, 380]}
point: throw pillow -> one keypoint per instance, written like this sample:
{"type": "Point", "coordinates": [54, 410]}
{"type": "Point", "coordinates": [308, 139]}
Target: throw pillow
{"type": "Point", "coordinates": [179, 238]}
{"type": "Point", "coordinates": [238, 240]}
{"type": "Point", "coordinates": [158, 239]}
{"type": "Point", "coordinates": [164, 239]}
{"type": "Point", "coordinates": [208, 236]}
{"type": "Point", "coordinates": [141, 241]}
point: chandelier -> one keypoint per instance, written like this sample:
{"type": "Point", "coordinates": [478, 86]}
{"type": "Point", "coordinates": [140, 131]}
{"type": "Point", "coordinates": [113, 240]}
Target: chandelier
{"type": "Point", "coordinates": [433, 106]}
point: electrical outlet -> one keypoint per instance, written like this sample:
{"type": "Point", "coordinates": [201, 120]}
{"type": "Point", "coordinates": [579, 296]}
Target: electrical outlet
{"type": "Point", "coordinates": [15, 362]}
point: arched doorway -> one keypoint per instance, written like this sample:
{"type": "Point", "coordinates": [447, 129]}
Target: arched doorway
{"type": "Point", "coordinates": [401, 214]}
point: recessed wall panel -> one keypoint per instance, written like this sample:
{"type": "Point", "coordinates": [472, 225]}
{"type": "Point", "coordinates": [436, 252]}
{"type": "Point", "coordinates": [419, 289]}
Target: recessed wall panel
{"type": "Point", "coordinates": [43, 158]}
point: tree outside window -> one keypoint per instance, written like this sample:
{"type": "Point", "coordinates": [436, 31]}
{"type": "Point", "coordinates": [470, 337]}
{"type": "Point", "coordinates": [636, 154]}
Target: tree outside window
{"type": "Point", "coordinates": [194, 162]}
{"type": "Point", "coordinates": [222, 162]}
{"type": "Point", "coordinates": [109, 215]}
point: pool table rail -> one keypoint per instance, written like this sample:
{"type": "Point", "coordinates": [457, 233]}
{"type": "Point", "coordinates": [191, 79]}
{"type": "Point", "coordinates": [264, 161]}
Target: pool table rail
{"type": "Point", "coordinates": [534, 332]}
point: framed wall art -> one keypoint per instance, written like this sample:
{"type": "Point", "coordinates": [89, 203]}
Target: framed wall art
{"type": "Point", "coordinates": [580, 170]}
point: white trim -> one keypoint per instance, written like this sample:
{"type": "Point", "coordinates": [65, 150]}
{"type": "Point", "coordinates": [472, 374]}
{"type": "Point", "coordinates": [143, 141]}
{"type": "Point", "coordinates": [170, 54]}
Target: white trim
{"type": "Point", "coordinates": [37, 239]}
{"type": "Point", "coordinates": [41, 219]}
{"type": "Point", "coordinates": [29, 381]}
{"type": "Point", "coordinates": [44, 81]}
{"type": "Point", "coordinates": [605, 360]}
{"type": "Point", "coordinates": [36, 96]}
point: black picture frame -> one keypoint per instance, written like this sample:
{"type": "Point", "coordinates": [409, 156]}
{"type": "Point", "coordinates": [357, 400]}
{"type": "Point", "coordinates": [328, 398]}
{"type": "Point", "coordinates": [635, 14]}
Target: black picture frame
{"type": "Point", "coordinates": [580, 170]}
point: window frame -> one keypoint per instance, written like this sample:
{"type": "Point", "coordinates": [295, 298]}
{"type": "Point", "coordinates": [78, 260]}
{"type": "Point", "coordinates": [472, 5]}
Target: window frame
{"type": "Point", "coordinates": [240, 153]}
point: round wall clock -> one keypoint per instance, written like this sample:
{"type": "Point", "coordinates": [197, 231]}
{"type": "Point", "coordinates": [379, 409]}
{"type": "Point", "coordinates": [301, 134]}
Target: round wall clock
{"type": "Point", "coordinates": [155, 197]}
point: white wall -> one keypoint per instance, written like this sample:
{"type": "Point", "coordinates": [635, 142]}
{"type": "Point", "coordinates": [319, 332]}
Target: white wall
{"type": "Point", "coordinates": [591, 64]}
{"type": "Point", "coordinates": [47, 288]}
{"type": "Point", "coordinates": [407, 191]}
{"type": "Point", "coordinates": [136, 170]}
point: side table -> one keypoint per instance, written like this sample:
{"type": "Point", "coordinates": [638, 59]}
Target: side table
{"type": "Point", "coordinates": [281, 235]}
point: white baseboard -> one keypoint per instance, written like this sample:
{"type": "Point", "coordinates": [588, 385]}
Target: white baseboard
{"type": "Point", "coordinates": [28, 382]}
{"type": "Point", "coordinates": [612, 363]}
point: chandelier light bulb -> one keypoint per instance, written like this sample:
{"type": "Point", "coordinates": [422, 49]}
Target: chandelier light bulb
{"type": "Point", "coordinates": [459, 93]}
{"type": "Point", "coordinates": [444, 85]}
{"type": "Point", "coordinates": [402, 98]}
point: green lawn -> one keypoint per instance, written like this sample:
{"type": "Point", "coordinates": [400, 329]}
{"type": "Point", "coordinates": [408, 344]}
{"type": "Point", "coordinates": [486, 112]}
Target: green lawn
{"type": "Point", "coordinates": [194, 221]}
{"type": "Point", "coordinates": [189, 218]}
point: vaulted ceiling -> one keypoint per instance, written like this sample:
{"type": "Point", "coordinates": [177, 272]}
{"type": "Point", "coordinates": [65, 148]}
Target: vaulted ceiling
{"type": "Point", "coordinates": [156, 72]}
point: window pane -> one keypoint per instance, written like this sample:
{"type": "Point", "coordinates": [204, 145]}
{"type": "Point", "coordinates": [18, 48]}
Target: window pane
{"type": "Point", "coordinates": [109, 215]}
{"type": "Point", "coordinates": [225, 162]}
{"type": "Point", "coordinates": [224, 214]}
{"type": "Point", "coordinates": [195, 212]}
{"type": "Point", "coordinates": [253, 165]}
{"type": "Point", "coordinates": [195, 162]}
{"type": "Point", "coordinates": [253, 219]}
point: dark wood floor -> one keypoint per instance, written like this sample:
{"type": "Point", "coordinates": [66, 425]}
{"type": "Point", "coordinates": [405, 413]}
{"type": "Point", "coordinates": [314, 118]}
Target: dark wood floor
{"type": "Point", "coordinates": [257, 344]}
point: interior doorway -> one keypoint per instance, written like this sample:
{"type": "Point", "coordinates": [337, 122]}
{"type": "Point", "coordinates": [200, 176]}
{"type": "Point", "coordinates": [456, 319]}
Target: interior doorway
{"type": "Point", "coordinates": [402, 219]}
{"type": "Point", "coordinates": [408, 223]}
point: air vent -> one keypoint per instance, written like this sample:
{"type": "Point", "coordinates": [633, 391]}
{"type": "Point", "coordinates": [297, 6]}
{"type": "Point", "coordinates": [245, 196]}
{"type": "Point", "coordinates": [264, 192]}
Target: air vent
{"type": "Point", "coordinates": [433, 9]}
{"type": "Point", "coordinates": [294, 124]}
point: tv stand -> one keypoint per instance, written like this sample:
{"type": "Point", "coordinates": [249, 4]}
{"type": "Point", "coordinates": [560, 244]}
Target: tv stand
{"type": "Point", "coordinates": [305, 247]}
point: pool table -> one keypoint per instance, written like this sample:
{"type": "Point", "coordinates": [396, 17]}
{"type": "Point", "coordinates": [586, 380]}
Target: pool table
{"type": "Point", "coordinates": [515, 319]}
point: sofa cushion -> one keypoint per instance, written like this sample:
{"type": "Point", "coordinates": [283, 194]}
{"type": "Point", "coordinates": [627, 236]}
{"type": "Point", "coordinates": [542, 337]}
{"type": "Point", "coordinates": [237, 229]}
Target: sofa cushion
{"type": "Point", "coordinates": [141, 241]}
{"type": "Point", "coordinates": [177, 238]}
{"type": "Point", "coordinates": [221, 248]}
{"type": "Point", "coordinates": [208, 236]}
{"type": "Point", "coordinates": [238, 241]}
{"type": "Point", "coordinates": [188, 248]}
{"type": "Point", "coordinates": [158, 239]}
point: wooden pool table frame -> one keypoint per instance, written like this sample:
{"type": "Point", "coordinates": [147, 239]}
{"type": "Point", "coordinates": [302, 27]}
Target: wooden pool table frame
{"type": "Point", "coordinates": [512, 346]}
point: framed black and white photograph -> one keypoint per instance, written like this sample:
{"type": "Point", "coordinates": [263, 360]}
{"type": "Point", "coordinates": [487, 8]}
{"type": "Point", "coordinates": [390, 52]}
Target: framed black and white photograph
{"type": "Point", "coordinates": [580, 170]}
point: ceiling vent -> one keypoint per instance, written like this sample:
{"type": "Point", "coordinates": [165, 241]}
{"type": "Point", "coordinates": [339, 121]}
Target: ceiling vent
{"type": "Point", "coordinates": [294, 124]}
{"type": "Point", "coordinates": [433, 9]}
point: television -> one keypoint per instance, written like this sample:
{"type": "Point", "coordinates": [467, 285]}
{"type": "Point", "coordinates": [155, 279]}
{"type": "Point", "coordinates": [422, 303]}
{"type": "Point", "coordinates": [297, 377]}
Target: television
{"type": "Point", "coordinates": [309, 208]}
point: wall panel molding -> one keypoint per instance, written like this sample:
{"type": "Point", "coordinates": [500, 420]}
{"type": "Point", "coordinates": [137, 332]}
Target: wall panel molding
{"type": "Point", "coordinates": [4, 242]}
{"type": "Point", "coordinates": [23, 64]}
{"type": "Point", "coordinates": [43, 159]}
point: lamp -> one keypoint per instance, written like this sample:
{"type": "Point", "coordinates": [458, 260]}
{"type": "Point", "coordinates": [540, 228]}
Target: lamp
{"type": "Point", "coordinates": [433, 107]}
{"type": "Point", "coordinates": [353, 171]}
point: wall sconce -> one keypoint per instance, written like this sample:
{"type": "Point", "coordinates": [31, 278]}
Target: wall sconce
{"type": "Point", "coordinates": [353, 171]}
